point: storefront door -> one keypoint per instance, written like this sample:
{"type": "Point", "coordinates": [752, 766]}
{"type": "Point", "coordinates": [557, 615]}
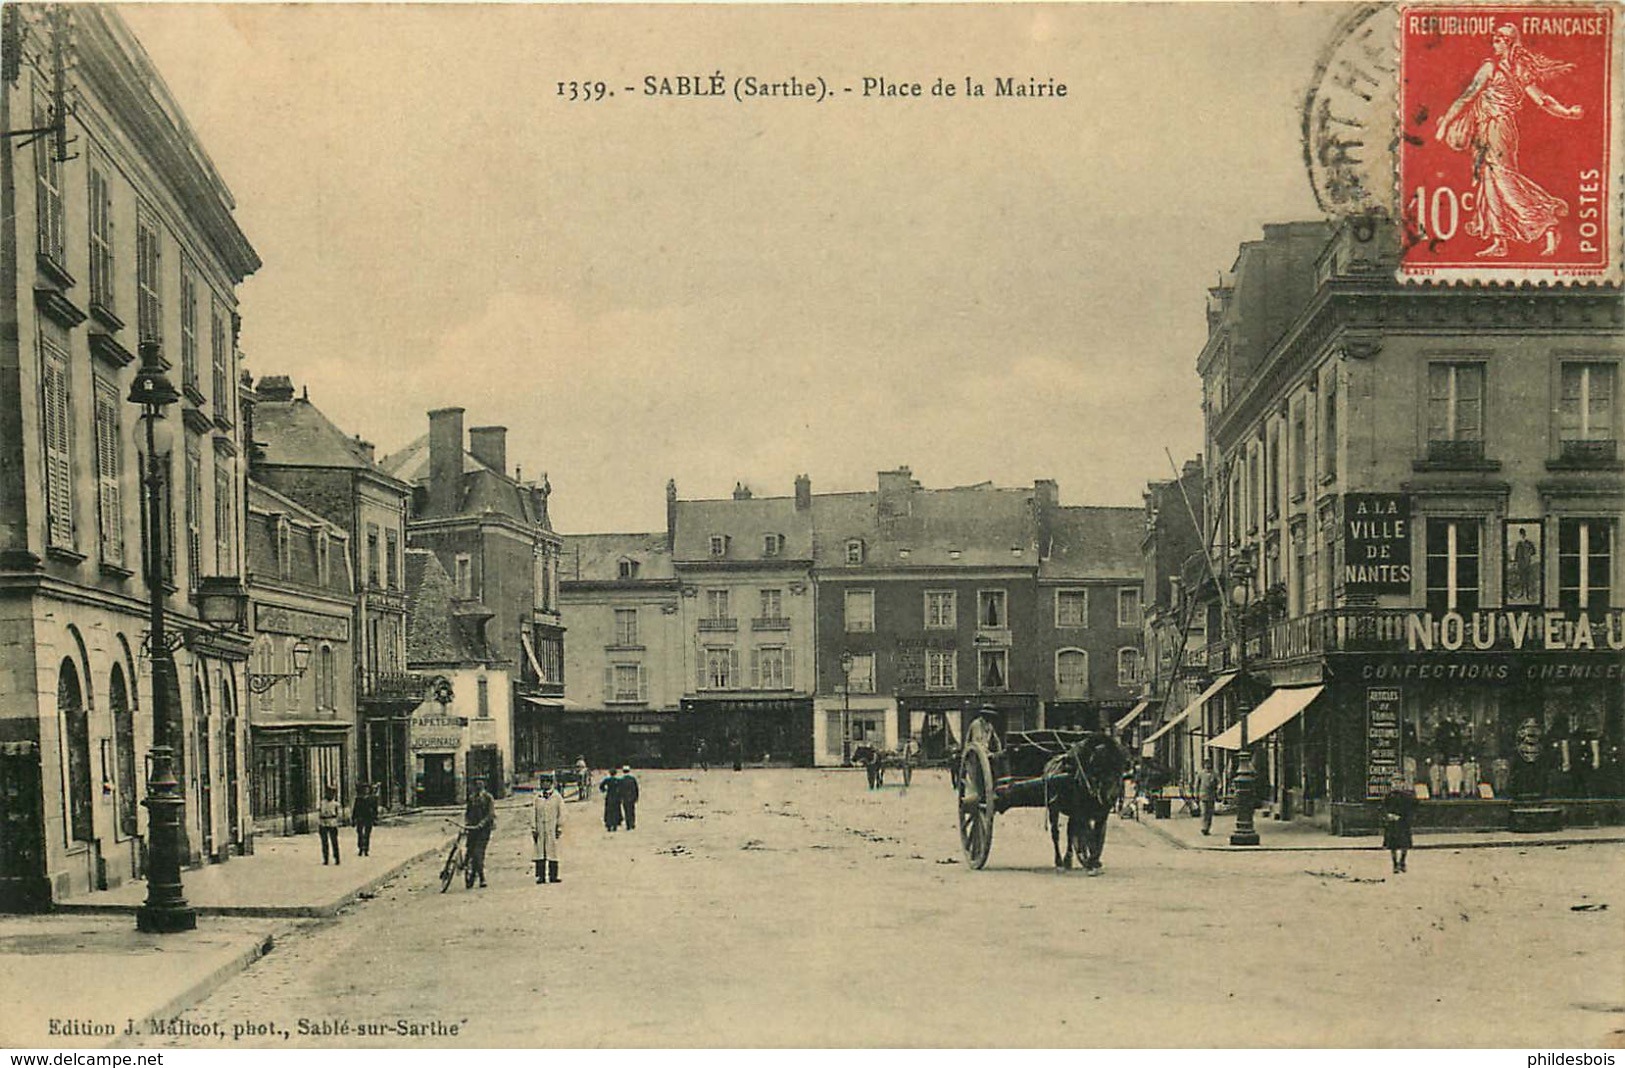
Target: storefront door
{"type": "Point", "coordinates": [437, 779]}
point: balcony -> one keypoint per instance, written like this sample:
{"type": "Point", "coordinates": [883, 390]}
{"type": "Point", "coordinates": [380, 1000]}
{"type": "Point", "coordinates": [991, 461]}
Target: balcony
{"type": "Point", "coordinates": [1455, 454]}
{"type": "Point", "coordinates": [1593, 454]}
{"type": "Point", "coordinates": [716, 624]}
{"type": "Point", "coordinates": [770, 623]}
{"type": "Point", "coordinates": [394, 686]}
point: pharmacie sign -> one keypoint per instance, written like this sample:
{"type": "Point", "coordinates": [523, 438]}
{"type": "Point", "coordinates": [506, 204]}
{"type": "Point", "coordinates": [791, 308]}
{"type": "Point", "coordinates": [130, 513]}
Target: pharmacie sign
{"type": "Point", "coordinates": [1515, 630]}
{"type": "Point", "coordinates": [1377, 542]}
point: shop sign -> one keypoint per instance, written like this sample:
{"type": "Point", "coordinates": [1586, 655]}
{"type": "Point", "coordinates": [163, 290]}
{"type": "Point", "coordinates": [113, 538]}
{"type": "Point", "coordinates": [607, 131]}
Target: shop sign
{"type": "Point", "coordinates": [1382, 738]}
{"type": "Point", "coordinates": [274, 619]}
{"type": "Point", "coordinates": [1377, 543]}
{"type": "Point", "coordinates": [436, 733]}
{"type": "Point", "coordinates": [1514, 630]}
{"type": "Point", "coordinates": [1474, 667]}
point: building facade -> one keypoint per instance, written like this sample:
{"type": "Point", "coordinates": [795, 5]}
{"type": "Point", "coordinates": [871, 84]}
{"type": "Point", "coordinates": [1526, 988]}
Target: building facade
{"type": "Point", "coordinates": [619, 599]}
{"type": "Point", "coordinates": [1419, 492]}
{"type": "Point", "coordinates": [302, 455]}
{"type": "Point", "coordinates": [492, 534]}
{"type": "Point", "coordinates": [126, 239]}
{"type": "Point", "coordinates": [301, 672]}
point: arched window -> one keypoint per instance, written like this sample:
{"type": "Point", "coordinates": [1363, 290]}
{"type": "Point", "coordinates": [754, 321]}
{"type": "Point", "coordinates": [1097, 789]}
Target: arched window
{"type": "Point", "coordinates": [70, 705]}
{"type": "Point", "coordinates": [1128, 667]}
{"type": "Point", "coordinates": [1071, 674]}
{"type": "Point", "coordinates": [118, 696]}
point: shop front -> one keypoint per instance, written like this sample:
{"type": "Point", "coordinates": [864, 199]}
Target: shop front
{"type": "Point", "coordinates": [934, 717]}
{"type": "Point", "coordinates": [458, 733]}
{"type": "Point", "coordinates": [746, 730]}
{"type": "Point", "coordinates": [842, 724]}
{"type": "Point", "coordinates": [643, 739]}
{"type": "Point", "coordinates": [293, 766]}
{"type": "Point", "coordinates": [1086, 715]}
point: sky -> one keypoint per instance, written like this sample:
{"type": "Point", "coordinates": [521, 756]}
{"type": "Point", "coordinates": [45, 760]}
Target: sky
{"type": "Point", "coordinates": [720, 290]}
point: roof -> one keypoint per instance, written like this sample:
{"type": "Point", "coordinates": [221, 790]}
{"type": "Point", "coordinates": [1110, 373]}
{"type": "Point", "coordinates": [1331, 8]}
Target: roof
{"type": "Point", "coordinates": [597, 557]}
{"type": "Point", "coordinates": [1095, 542]}
{"type": "Point", "coordinates": [434, 633]}
{"type": "Point", "coordinates": [295, 433]}
{"type": "Point", "coordinates": [984, 524]}
{"type": "Point", "coordinates": [745, 522]}
{"type": "Point", "coordinates": [484, 489]}
{"type": "Point", "coordinates": [262, 498]}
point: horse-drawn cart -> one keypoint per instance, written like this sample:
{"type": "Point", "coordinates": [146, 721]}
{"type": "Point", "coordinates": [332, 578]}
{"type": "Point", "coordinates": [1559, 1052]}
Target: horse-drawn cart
{"type": "Point", "coordinates": [1065, 772]}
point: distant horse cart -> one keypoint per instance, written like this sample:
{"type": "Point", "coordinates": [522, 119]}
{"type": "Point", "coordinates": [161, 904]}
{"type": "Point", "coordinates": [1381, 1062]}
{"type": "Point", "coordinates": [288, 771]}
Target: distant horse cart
{"type": "Point", "coordinates": [1070, 773]}
{"type": "Point", "coordinates": [906, 761]}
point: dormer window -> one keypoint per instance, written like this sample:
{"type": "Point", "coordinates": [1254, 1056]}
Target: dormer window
{"type": "Point", "coordinates": [719, 545]}
{"type": "Point", "coordinates": [628, 569]}
{"type": "Point", "coordinates": [854, 551]}
{"type": "Point", "coordinates": [324, 572]}
{"type": "Point", "coordinates": [284, 546]}
{"type": "Point", "coordinates": [772, 544]}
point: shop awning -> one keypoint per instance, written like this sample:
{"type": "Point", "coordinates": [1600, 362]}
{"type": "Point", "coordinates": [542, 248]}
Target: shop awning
{"type": "Point", "coordinates": [563, 703]}
{"type": "Point", "coordinates": [1133, 714]}
{"type": "Point", "coordinates": [1218, 684]}
{"type": "Point", "coordinates": [1276, 711]}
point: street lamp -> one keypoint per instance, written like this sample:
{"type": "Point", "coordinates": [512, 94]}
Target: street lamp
{"type": "Point", "coordinates": [259, 683]}
{"type": "Point", "coordinates": [165, 911]}
{"type": "Point", "coordinates": [846, 708]}
{"type": "Point", "coordinates": [1241, 596]}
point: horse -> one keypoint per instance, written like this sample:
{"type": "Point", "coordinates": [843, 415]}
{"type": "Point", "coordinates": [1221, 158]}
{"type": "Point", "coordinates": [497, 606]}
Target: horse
{"type": "Point", "coordinates": [1085, 783]}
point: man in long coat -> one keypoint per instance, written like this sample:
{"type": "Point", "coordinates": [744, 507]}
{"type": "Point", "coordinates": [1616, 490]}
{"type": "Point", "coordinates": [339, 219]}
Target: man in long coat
{"type": "Point", "coordinates": [629, 798]}
{"type": "Point", "coordinates": [547, 827]}
{"type": "Point", "coordinates": [611, 789]}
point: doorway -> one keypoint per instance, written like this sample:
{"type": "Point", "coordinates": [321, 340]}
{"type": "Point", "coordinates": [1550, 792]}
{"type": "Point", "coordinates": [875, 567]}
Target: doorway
{"type": "Point", "coordinates": [437, 779]}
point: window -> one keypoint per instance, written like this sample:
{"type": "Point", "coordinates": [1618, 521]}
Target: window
{"type": "Point", "coordinates": [719, 668]}
{"type": "Point", "coordinates": [149, 277]}
{"type": "Point", "coordinates": [1255, 499]}
{"type": "Point", "coordinates": [990, 609]}
{"type": "Point", "coordinates": [941, 610]}
{"type": "Point", "coordinates": [1455, 411]}
{"type": "Point", "coordinates": [627, 569]}
{"type": "Point", "coordinates": [1586, 415]}
{"type": "Point", "coordinates": [626, 626]}
{"type": "Point", "coordinates": [324, 571]}
{"type": "Point", "coordinates": [1071, 608]}
{"type": "Point", "coordinates": [101, 238]}
{"type": "Point", "coordinates": [719, 545]}
{"type": "Point", "coordinates": [1071, 674]}
{"type": "Point", "coordinates": [770, 668]}
{"type": "Point", "coordinates": [1128, 606]}
{"type": "Point", "coordinates": [717, 605]}
{"type": "Point", "coordinates": [941, 669]}
{"type": "Point", "coordinates": [993, 669]}
{"type": "Point", "coordinates": [860, 610]}
{"type": "Point", "coordinates": [109, 449]}
{"type": "Point", "coordinates": [1585, 565]}
{"type": "Point", "coordinates": [1272, 463]}
{"type": "Point", "coordinates": [854, 551]}
{"type": "Point", "coordinates": [861, 677]}
{"type": "Point", "coordinates": [1452, 565]}
{"type": "Point", "coordinates": [1128, 668]}
{"type": "Point", "coordinates": [772, 544]}
{"type": "Point", "coordinates": [372, 556]}
{"type": "Point", "coordinates": [772, 604]}
{"type": "Point", "coordinates": [220, 361]}
{"type": "Point", "coordinates": [188, 323]}
{"type": "Point", "coordinates": [483, 697]}
{"type": "Point", "coordinates": [48, 190]}
{"type": "Point", "coordinates": [392, 548]}
{"type": "Point", "coordinates": [1328, 426]}
{"type": "Point", "coordinates": [194, 511]}
{"type": "Point", "coordinates": [464, 576]}
{"type": "Point", "coordinates": [1300, 449]}
{"type": "Point", "coordinates": [225, 523]}
{"type": "Point", "coordinates": [264, 664]}
{"type": "Point", "coordinates": [326, 679]}
{"type": "Point", "coordinates": [56, 423]}
{"type": "Point", "coordinates": [282, 536]}
{"type": "Point", "coordinates": [292, 683]}
{"type": "Point", "coordinates": [625, 682]}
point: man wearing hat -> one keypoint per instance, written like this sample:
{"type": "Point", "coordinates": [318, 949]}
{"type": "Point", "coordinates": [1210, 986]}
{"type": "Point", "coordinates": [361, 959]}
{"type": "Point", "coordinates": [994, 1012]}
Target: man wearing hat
{"type": "Point", "coordinates": [547, 826]}
{"type": "Point", "coordinates": [478, 818]}
{"type": "Point", "coordinates": [629, 798]}
{"type": "Point", "coordinates": [611, 789]}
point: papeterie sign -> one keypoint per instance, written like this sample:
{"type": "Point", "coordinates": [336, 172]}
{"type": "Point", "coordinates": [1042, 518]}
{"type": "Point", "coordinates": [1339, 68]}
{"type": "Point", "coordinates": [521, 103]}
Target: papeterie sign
{"type": "Point", "coordinates": [1376, 543]}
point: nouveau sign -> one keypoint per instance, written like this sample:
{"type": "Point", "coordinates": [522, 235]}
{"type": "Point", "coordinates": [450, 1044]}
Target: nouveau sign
{"type": "Point", "coordinates": [1513, 630]}
{"type": "Point", "coordinates": [1376, 543]}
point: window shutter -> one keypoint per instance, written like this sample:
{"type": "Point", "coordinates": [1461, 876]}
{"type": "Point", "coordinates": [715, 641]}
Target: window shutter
{"type": "Point", "coordinates": [701, 658]}
{"type": "Point", "coordinates": [733, 669]}
{"type": "Point", "coordinates": [643, 683]}
{"type": "Point", "coordinates": [111, 524]}
{"type": "Point", "coordinates": [756, 669]}
{"type": "Point", "coordinates": [789, 668]}
{"type": "Point", "coordinates": [58, 457]}
{"type": "Point", "coordinates": [609, 683]}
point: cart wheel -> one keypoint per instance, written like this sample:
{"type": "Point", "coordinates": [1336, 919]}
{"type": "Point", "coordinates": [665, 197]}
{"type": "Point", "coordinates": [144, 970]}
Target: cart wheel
{"type": "Point", "coordinates": [975, 806]}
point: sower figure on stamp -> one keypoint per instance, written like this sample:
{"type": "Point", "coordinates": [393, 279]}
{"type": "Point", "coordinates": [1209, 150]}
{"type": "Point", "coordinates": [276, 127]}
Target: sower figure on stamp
{"type": "Point", "coordinates": [363, 815]}
{"type": "Point", "coordinates": [478, 818]}
{"type": "Point", "coordinates": [629, 798]}
{"type": "Point", "coordinates": [611, 789]}
{"type": "Point", "coordinates": [327, 823]}
{"type": "Point", "coordinates": [1484, 121]}
{"type": "Point", "coordinates": [547, 827]}
{"type": "Point", "coordinates": [1207, 791]}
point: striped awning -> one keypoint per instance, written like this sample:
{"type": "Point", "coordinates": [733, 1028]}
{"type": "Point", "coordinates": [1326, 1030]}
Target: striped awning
{"type": "Point", "coordinates": [1271, 715]}
{"type": "Point", "coordinates": [1218, 684]}
{"type": "Point", "coordinates": [1133, 714]}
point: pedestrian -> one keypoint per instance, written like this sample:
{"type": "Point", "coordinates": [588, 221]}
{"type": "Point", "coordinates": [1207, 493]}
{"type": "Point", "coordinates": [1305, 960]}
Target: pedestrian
{"type": "Point", "coordinates": [611, 789]}
{"type": "Point", "coordinates": [629, 798]}
{"type": "Point", "coordinates": [738, 748]}
{"type": "Point", "coordinates": [547, 827]}
{"type": "Point", "coordinates": [479, 817]}
{"type": "Point", "coordinates": [327, 822]}
{"type": "Point", "coordinates": [700, 756]}
{"type": "Point", "coordinates": [363, 815]}
{"type": "Point", "coordinates": [583, 776]}
{"type": "Point", "coordinates": [1207, 791]}
{"type": "Point", "coordinates": [1397, 809]}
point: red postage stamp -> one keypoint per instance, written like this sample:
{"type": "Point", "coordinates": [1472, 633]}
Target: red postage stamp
{"type": "Point", "coordinates": [1509, 143]}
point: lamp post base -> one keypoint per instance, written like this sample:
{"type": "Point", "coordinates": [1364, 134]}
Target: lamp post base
{"type": "Point", "coordinates": [1243, 838]}
{"type": "Point", "coordinates": [1244, 834]}
{"type": "Point", "coordinates": [165, 919]}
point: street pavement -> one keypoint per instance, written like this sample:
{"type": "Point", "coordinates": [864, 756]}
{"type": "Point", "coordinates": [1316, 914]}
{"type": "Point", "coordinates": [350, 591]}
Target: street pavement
{"type": "Point", "coordinates": [796, 908]}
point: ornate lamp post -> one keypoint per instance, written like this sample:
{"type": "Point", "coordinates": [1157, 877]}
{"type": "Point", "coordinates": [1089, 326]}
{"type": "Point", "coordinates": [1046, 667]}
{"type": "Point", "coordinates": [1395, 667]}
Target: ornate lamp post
{"type": "Point", "coordinates": [165, 911]}
{"type": "Point", "coordinates": [846, 708]}
{"type": "Point", "coordinates": [1241, 596]}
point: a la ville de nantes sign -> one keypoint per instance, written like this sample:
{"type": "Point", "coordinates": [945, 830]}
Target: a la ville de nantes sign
{"type": "Point", "coordinates": [1376, 543]}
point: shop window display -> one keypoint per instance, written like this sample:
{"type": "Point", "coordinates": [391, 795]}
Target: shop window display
{"type": "Point", "coordinates": [1454, 745]}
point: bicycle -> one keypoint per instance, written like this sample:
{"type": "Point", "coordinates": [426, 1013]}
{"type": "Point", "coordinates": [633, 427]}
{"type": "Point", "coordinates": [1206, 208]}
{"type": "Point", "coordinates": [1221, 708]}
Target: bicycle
{"type": "Point", "coordinates": [456, 860]}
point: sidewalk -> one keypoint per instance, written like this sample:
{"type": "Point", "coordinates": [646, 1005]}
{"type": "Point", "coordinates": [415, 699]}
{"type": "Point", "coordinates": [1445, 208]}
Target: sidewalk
{"type": "Point", "coordinates": [1185, 832]}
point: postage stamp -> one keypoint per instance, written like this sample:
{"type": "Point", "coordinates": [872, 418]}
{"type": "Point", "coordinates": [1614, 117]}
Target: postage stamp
{"type": "Point", "coordinates": [1508, 157]}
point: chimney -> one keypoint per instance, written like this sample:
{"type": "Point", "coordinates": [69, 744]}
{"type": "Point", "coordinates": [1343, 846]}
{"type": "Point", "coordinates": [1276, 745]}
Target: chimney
{"type": "Point", "coordinates": [671, 514]}
{"type": "Point", "coordinates": [275, 388]}
{"type": "Point", "coordinates": [741, 492]}
{"type": "Point", "coordinates": [803, 493]}
{"type": "Point", "coordinates": [445, 461]}
{"type": "Point", "coordinates": [368, 451]}
{"type": "Point", "coordinates": [489, 444]}
{"type": "Point", "coordinates": [1046, 498]}
{"type": "Point", "coordinates": [896, 491]}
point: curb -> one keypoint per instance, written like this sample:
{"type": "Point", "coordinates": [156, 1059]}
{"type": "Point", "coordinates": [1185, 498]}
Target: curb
{"type": "Point", "coordinates": [1418, 844]}
{"type": "Point", "coordinates": [321, 911]}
